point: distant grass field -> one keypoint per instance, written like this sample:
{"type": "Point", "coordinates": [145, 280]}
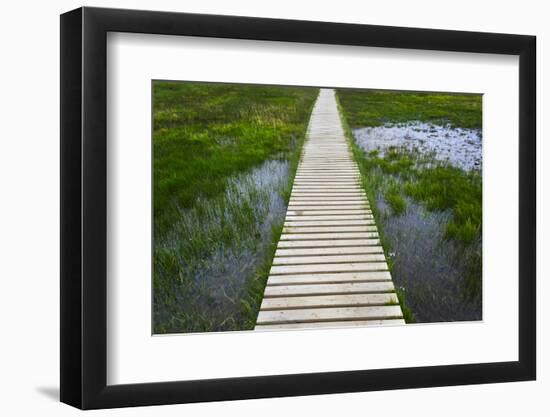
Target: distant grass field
{"type": "Point", "coordinates": [377, 107]}
{"type": "Point", "coordinates": [224, 159]}
{"type": "Point", "coordinates": [204, 133]}
{"type": "Point", "coordinates": [402, 175]}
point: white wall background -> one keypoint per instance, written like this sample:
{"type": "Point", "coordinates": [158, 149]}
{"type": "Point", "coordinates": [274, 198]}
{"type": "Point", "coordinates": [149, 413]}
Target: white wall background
{"type": "Point", "coordinates": [29, 207]}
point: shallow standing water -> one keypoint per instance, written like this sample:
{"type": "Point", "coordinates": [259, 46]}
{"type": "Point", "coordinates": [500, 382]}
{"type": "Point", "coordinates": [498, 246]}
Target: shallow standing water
{"type": "Point", "coordinates": [457, 146]}
{"type": "Point", "coordinates": [429, 269]}
{"type": "Point", "coordinates": [218, 247]}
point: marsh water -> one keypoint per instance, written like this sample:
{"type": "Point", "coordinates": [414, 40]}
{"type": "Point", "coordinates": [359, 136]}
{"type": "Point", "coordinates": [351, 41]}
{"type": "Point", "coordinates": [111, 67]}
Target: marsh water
{"type": "Point", "coordinates": [457, 146]}
{"type": "Point", "coordinates": [429, 269]}
{"type": "Point", "coordinates": [218, 248]}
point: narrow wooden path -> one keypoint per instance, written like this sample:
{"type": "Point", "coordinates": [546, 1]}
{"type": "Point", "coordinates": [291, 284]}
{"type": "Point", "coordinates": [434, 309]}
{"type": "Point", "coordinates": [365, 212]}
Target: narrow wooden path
{"type": "Point", "coordinates": [329, 269]}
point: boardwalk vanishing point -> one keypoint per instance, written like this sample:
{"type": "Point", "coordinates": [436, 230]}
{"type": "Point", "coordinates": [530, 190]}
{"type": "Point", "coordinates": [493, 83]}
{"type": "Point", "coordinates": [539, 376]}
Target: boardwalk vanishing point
{"type": "Point", "coordinates": [329, 269]}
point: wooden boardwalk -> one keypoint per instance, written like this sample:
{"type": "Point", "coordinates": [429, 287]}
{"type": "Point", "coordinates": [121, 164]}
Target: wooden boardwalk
{"type": "Point", "coordinates": [329, 269]}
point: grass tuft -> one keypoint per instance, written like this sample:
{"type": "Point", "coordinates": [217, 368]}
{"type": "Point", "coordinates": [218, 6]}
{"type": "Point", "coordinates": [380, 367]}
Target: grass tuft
{"type": "Point", "coordinates": [395, 200]}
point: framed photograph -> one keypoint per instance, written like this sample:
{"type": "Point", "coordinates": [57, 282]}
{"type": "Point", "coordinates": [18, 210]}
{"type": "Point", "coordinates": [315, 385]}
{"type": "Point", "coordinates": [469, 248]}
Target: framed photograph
{"type": "Point", "coordinates": [257, 208]}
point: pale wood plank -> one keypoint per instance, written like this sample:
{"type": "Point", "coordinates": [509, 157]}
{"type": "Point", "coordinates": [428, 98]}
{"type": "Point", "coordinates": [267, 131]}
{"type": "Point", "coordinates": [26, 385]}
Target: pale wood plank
{"type": "Point", "coordinates": [328, 202]}
{"type": "Point", "coordinates": [331, 217]}
{"type": "Point", "coordinates": [330, 278]}
{"type": "Point", "coordinates": [320, 243]}
{"type": "Point", "coordinates": [328, 229]}
{"type": "Point", "coordinates": [315, 223]}
{"type": "Point", "coordinates": [332, 212]}
{"type": "Point", "coordinates": [334, 181]}
{"type": "Point", "coordinates": [329, 314]}
{"type": "Point", "coordinates": [328, 251]}
{"type": "Point", "coordinates": [324, 268]}
{"type": "Point", "coordinates": [326, 236]}
{"type": "Point", "coordinates": [329, 324]}
{"type": "Point", "coordinates": [324, 289]}
{"type": "Point", "coordinates": [340, 207]}
{"type": "Point", "coordinates": [320, 301]}
{"type": "Point", "coordinates": [325, 194]}
{"type": "Point", "coordinates": [357, 200]}
{"type": "Point", "coordinates": [326, 259]}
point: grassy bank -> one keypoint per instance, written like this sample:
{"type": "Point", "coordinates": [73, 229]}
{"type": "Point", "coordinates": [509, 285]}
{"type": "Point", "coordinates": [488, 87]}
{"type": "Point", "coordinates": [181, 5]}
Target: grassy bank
{"type": "Point", "coordinates": [377, 107]}
{"type": "Point", "coordinates": [402, 177]}
{"type": "Point", "coordinates": [224, 158]}
{"type": "Point", "coordinates": [205, 133]}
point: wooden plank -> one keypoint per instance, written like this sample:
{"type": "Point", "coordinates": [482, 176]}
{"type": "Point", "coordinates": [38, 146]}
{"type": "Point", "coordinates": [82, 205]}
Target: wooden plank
{"type": "Point", "coordinates": [332, 212]}
{"type": "Point", "coordinates": [340, 207]}
{"type": "Point", "coordinates": [323, 175]}
{"type": "Point", "coordinates": [331, 217]}
{"type": "Point", "coordinates": [312, 223]}
{"type": "Point", "coordinates": [311, 159]}
{"type": "Point", "coordinates": [329, 193]}
{"type": "Point", "coordinates": [328, 186]}
{"type": "Point", "coordinates": [331, 278]}
{"type": "Point", "coordinates": [348, 183]}
{"type": "Point", "coordinates": [360, 199]}
{"type": "Point", "coordinates": [328, 211]}
{"type": "Point", "coordinates": [327, 176]}
{"type": "Point", "coordinates": [355, 181]}
{"type": "Point", "coordinates": [320, 301]}
{"type": "Point", "coordinates": [329, 314]}
{"type": "Point", "coordinates": [326, 236]}
{"type": "Point", "coordinates": [329, 324]}
{"type": "Point", "coordinates": [336, 200]}
{"type": "Point", "coordinates": [325, 289]}
{"type": "Point", "coordinates": [333, 177]}
{"type": "Point", "coordinates": [324, 268]}
{"type": "Point", "coordinates": [328, 202]}
{"type": "Point", "coordinates": [325, 194]}
{"type": "Point", "coordinates": [328, 251]}
{"type": "Point", "coordinates": [304, 189]}
{"type": "Point", "coordinates": [319, 243]}
{"type": "Point", "coordinates": [328, 229]}
{"type": "Point", "coordinates": [333, 164]}
{"type": "Point", "coordinates": [327, 170]}
{"type": "Point", "coordinates": [332, 259]}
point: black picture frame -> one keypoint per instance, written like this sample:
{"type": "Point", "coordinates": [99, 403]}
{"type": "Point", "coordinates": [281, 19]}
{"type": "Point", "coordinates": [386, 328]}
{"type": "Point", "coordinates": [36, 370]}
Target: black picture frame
{"type": "Point", "coordinates": [84, 207]}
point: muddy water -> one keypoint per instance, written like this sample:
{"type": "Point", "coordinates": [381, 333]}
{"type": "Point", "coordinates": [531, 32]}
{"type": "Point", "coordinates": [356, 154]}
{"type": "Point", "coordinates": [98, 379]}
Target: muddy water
{"type": "Point", "coordinates": [460, 147]}
{"type": "Point", "coordinates": [218, 248]}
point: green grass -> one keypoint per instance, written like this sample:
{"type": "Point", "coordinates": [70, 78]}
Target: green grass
{"type": "Point", "coordinates": [376, 107]}
{"type": "Point", "coordinates": [205, 133]}
{"type": "Point", "coordinates": [215, 228]}
{"type": "Point", "coordinates": [395, 199]}
{"type": "Point", "coordinates": [408, 315]}
{"type": "Point", "coordinates": [401, 174]}
{"type": "Point", "coordinates": [450, 188]}
{"type": "Point", "coordinates": [439, 187]}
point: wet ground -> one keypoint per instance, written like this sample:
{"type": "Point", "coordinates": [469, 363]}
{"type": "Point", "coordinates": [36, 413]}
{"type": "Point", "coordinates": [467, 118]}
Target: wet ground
{"type": "Point", "coordinates": [460, 147]}
{"type": "Point", "coordinates": [219, 247]}
{"type": "Point", "coordinates": [428, 268]}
